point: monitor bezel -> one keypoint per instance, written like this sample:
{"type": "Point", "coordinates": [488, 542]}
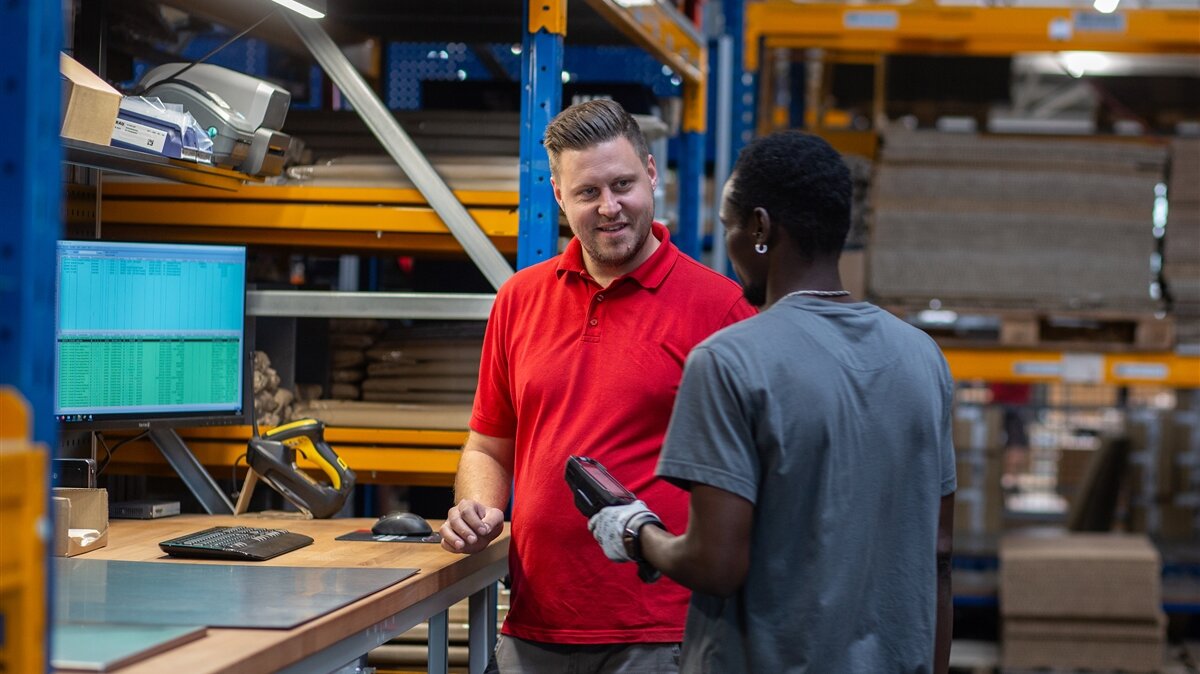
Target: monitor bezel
{"type": "Point", "coordinates": [144, 421]}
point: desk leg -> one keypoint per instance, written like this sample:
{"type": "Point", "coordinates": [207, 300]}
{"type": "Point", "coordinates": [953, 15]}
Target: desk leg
{"type": "Point", "coordinates": [482, 626]}
{"type": "Point", "coordinates": [439, 643]}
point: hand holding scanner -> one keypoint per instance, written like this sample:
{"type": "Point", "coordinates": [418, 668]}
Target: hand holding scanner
{"type": "Point", "coordinates": [594, 489]}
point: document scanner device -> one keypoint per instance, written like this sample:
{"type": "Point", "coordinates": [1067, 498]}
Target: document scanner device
{"type": "Point", "coordinates": [242, 114]}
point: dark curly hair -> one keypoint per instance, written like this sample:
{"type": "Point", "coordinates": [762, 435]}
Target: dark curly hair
{"type": "Point", "coordinates": [802, 183]}
{"type": "Point", "coordinates": [590, 123]}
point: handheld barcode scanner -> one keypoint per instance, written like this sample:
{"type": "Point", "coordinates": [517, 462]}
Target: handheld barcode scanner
{"type": "Point", "coordinates": [272, 457]}
{"type": "Point", "coordinates": [595, 488]}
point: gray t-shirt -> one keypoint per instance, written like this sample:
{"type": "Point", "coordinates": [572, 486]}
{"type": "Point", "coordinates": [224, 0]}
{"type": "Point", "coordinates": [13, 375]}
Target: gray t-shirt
{"type": "Point", "coordinates": [834, 420]}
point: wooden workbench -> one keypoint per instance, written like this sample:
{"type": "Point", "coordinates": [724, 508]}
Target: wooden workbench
{"type": "Point", "coordinates": [335, 639]}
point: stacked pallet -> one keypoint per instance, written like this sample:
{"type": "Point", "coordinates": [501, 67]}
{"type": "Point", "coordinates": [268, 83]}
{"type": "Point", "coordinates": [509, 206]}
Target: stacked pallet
{"type": "Point", "coordinates": [983, 221]}
{"type": "Point", "coordinates": [1081, 601]}
{"type": "Point", "coordinates": [1181, 243]}
{"type": "Point", "coordinates": [426, 364]}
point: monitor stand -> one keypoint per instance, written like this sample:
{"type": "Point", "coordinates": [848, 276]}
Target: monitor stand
{"type": "Point", "coordinates": [187, 467]}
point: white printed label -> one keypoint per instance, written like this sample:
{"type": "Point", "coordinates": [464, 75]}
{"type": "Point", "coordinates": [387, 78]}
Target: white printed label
{"type": "Point", "coordinates": [1083, 368]}
{"type": "Point", "coordinates": [871, 20]}
{"type": "Point", "coordinates": [139, 135]}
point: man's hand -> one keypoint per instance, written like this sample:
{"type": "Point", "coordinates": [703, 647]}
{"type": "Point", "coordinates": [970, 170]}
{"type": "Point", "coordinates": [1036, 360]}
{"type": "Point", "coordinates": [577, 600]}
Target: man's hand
{"type": "Point", "coordinates": [470, 526]}
{"type": "Point", "coordinates": [608, 528]}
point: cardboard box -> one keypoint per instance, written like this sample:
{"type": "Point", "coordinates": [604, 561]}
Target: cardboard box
{"type": "Point", "coordinates": [79, 509]}
{"type": "Point", "coordinates": [1085, 644]}
{"type": "Point", "coordinates": [1080, 576]}
{"type": "Point", "coordinates": [90, 105]}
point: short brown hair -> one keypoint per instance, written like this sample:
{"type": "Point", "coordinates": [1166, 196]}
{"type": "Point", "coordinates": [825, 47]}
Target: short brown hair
{"type": "Point", "coordinates": [590, 123]}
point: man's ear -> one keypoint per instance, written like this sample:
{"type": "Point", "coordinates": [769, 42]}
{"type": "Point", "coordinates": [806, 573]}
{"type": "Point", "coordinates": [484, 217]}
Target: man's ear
{"type": "Point", "coordinates": [761, 226]}
{"type": "Point", "coordinates": [652, 171]}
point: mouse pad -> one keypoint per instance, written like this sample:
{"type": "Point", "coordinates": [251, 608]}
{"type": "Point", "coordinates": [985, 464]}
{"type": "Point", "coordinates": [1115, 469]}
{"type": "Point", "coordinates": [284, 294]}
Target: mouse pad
{"type": "Point", "coordinates": [366, 535]}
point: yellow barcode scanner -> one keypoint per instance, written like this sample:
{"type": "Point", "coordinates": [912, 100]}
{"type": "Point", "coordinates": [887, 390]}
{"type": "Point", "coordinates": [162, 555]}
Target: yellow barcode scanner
{"type": "Point", "coordinates": [273, 457]}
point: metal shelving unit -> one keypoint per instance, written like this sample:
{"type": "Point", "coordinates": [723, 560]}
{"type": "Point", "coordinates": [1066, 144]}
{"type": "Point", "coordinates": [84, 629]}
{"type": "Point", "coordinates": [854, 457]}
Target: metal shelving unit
{"type": "Point", "coordinates": [131, 162]}
{"type": "Point", "coordinates": [484, 224]}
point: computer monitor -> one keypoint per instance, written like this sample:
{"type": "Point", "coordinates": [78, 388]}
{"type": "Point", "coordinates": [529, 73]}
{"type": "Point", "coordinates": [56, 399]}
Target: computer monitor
{"type": "Point", "coordinates": [150, 335]}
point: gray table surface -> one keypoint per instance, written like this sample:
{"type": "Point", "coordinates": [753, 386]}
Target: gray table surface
{"type": "Point", "coordinates": [213, 595]}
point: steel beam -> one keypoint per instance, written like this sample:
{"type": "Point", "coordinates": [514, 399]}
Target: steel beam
{"type": "Point", "coordinates": [314, 303]}
{"type": "Point", "coordinates": [401, 148]}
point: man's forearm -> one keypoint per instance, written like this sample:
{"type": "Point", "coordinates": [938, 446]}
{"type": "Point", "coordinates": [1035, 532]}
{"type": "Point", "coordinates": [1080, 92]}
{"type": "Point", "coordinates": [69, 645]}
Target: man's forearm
{"type": "Point", "coordinates": [483, 479]}
{"type": "Point", "coordinates": [680, 560]}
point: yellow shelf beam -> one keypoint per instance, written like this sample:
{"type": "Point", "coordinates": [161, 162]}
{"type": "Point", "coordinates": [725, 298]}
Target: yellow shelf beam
{"type": "Point", "coordinates": [329, 217]}
{"type": "Point", "coordinates": [120, 190]}
{"type": "Point", "coordinates": [1121, 369]}
{"type": "Point", "coordinates": [377, 455]}
{"type": "Point", "coordinates": [927, 28]}
{"type": "Point", "coordinates": [672, 39]}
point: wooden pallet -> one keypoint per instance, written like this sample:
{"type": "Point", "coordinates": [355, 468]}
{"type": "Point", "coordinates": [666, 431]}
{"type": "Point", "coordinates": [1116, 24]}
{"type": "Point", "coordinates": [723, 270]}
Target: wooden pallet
{"type": "Point", "coordinates": [1054, 330]}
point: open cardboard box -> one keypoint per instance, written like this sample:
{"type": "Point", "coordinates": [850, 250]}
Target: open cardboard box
{"type": "Point", "coordinates": [90, 105]}
{"type": "Point", "coordinates": [79, 509]}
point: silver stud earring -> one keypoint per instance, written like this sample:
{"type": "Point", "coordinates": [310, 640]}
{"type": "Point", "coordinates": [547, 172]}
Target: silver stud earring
{"type": "Point", "coordinates": [760, 248]}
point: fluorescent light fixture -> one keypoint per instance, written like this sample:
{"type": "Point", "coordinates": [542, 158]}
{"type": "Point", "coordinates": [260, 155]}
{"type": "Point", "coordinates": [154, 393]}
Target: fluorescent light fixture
{"type": "Point", "coordinates": [313, 9]}
{"type": "Point", "coordinates": [636, 3]}
{"type": "Point", "coordinates": [1102, 6]}
{"type": "Point", "coordinates": [1079, 63]}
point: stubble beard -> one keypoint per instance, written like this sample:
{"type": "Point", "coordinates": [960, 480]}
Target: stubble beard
{"type": "Point", "coordinates": [617, 257]}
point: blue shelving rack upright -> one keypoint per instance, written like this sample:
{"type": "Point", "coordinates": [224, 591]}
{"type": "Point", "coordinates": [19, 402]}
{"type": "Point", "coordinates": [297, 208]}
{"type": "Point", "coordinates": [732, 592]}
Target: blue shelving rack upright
{"type": "Point", "coordinates": [31, 190]}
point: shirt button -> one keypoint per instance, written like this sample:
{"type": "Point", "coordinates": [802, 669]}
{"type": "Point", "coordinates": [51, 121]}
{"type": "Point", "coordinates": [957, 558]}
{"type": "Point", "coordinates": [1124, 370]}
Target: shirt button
{"type": "Point", "coordinates": [593, 322]}
{"type": "Point", "coordinates": [599, 298]}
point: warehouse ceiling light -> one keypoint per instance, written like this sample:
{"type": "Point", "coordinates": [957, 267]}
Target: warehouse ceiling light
{"type": "Point", "coordinates": [1079, 63]}
{"type": "Point", "coordinates": [1102, 6]}
{"type": "Point", "coordinates": [313, 9]}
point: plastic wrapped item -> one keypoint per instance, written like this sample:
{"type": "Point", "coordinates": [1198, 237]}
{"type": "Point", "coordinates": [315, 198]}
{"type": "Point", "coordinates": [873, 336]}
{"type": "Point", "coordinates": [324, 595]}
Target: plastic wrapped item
{"type": "Point", "coordinates": [149, 125]}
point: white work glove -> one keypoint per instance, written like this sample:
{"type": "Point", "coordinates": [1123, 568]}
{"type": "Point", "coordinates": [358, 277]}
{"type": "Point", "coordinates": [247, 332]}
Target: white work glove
{"type": "Point", "coordinates": [608, 527]}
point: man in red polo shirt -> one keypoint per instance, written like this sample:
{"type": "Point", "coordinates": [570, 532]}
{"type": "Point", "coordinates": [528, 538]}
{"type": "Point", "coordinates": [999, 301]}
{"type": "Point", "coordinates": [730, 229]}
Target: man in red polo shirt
{"type": "Point", "coordinates": [583, 355]}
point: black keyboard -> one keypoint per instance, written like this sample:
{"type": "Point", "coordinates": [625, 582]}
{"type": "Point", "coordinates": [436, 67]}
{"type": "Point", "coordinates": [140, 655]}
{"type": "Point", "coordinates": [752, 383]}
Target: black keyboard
{"type": "Point", "coordinates": [236, 543]}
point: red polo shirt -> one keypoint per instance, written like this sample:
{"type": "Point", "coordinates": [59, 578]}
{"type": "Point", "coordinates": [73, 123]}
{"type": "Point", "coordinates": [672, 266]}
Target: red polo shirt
{"type": "Point", "coordinates": [572, 368]}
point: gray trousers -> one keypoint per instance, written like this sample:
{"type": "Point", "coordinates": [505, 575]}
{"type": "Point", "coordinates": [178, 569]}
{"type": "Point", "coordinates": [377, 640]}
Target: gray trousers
{"type": "Point", "coordinates": [518, 656]}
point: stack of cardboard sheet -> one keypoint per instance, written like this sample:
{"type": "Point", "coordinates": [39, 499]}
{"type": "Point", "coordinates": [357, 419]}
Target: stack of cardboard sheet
{"type": "Point", "coordinates": [427, 364]}
{"type": "Point", "coordinates": [988, 221]}
{"type": "Point", "coordinates": [1081, 601]}
{"type": "Point", "coordinates": [1181, 243]}
{"type": "Point", "coordinates": [349, 340]}
{"type": "Point", "coordinates": [358, 414]}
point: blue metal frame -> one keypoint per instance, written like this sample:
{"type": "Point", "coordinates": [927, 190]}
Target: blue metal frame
{"type": "Point", "coordinates": [541, 100]}
{"type": "Point", "coordinates": [31, 189]}
{"type": "Point", "coordinates": [745, 84]}
{"type": "Point", "coordinates": [691, 173]}
{"type": "Point", "coordinates": [30, 182]}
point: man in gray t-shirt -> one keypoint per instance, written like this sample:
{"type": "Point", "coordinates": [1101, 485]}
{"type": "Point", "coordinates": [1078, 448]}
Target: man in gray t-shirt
{"type": "Point", "coordinates": [816, 441]}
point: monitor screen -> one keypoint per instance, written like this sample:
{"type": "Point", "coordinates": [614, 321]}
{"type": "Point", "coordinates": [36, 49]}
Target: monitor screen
{"type": "Point", "coordinates": [149, 333]}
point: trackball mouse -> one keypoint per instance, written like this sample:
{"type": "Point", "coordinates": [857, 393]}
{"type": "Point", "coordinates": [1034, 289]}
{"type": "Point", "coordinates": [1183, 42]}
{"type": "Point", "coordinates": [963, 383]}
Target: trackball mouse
{"type": "Point", "coordinates": [402, 524]}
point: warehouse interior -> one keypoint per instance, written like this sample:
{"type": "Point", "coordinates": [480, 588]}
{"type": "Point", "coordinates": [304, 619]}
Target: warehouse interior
{"type": "Point", "coordinates": [1026, 191]}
